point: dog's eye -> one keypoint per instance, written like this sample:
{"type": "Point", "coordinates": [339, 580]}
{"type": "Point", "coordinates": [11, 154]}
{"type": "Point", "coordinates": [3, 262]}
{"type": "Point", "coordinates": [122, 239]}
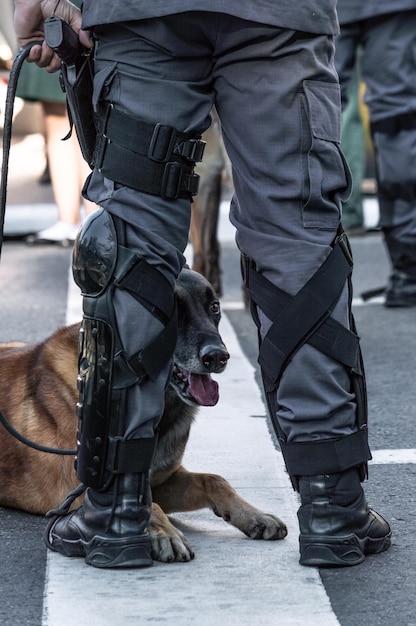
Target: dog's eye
{"type": "Point", "coordinates": [215, 308]}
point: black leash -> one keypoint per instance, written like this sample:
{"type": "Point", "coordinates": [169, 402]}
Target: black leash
{"type": "Point", "coordinates": [7, 133]}
{"type": "Point", "coordinates": [7, 128]}
{"type": "Point", "coordinates": [61, 511]}
{"type": "Point", "coordinates": [32, 444]}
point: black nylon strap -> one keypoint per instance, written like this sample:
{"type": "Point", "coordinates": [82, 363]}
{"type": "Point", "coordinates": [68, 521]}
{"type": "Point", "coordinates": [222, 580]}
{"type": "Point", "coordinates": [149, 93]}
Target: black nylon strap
{"type": "Point", "coordinates": [168, 180]}
{"type": "Point", "coordinates": [156, 141]}
{"type": "Point", "coordinates": [317, 456]}
{"type": "Point", "coordinates": [304, 313]}
{"type": "Point", "coordinates": [130, 456]}
{"type": "Point", "coordinates": [153, 158]}
{"type": "Point", "coordinates": [7, 128]}
{"type": "Point", "coordinates": [331, 338]}
{"type": "Point", "coordinates": [150, 288]}
{"type": "Point", "coordinates": [326, 456]}
{"type": "Point", "coordinates": [148, 362]}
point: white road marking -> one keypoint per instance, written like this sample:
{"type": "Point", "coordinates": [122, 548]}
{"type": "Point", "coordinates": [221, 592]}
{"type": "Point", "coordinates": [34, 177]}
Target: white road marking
{"type": "Point", "coordinates": [230, 305]}
{"type": "Point", "coordinates": [390, 457]}
{"type": "Point", "coordinates": [232, 580]}
{"type": "Point", "coordinates": [74, 301]}
{"type": "Point", "coordinates": [361, 302]}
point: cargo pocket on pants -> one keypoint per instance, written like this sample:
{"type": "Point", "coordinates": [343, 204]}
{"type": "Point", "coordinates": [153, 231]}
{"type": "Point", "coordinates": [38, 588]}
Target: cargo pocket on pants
{"type": "Point", "coordinates": [326, 175]}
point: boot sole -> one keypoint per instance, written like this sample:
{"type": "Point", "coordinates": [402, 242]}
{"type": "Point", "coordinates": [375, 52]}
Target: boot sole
{"type": "Point", "coordinates": [120, 553]}
{"type": "Point", "coordinates": [106, 553]}
{"type": "Point", "coordinates": [339, 552]}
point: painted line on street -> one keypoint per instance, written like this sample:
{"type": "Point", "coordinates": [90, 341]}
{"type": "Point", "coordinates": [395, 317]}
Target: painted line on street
{"type": "Point", "coordinates": [393, 457]}
{"type": "Point", "coordinates": [361, 302]}
{"type": "Point", "coordinates": [232, 578]}
{"type": "Point", "coordinates": [238, 305]}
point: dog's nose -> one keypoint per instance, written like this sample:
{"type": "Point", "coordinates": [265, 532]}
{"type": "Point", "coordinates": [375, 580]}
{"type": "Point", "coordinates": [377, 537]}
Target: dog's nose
{"type": "Point", "coordinates": [214, 358]}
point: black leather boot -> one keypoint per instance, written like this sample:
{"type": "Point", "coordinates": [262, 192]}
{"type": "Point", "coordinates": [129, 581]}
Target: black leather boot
{"type": "Point", "coordinates": [337, 529]}
{"type": "Point", "coordinates": [109, 529]}
{"type": "Point", "coordinates": [402, 290]}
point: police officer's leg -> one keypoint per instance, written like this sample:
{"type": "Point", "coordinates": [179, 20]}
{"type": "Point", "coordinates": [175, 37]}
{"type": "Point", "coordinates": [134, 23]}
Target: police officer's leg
{"type": "Point", "coordinates": [125, 261]}
{"type": "Point", "coordinates": [391, 97]}
{"type": "Point", "coordinates": [290, 178]}
{"type": "Point", "coordinates": [347, 64]}
{"type": "Point", "coordinates": [116, 376]}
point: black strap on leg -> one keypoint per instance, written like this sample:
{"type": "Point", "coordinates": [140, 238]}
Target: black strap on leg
{"type": "Point", "coordinates": [149, 287]}
{"type": "Point", "coordinates": [102, 263]}
{"type": "Point", "coordinates": [326, 456]}
{"type": "Point", "coordinates": [394, 125]}
{"type": "Point", "coordinates": [7, 127]}
{"type": "Point", "coordinates": [306, 318]}
{"type": "Point", "coordinates": [298, 318]}
{"type": "Point", "coordinates": [331, 337]}
{"type": "Point", "coordinates": [153, 158]}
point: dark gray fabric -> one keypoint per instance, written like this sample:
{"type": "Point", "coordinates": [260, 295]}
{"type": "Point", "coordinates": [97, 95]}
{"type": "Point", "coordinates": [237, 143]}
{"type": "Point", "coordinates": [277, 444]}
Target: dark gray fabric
{"type": "Point", "coordinates": [279, 104]}
{"type": "Point", "coordinates": [317, 16]}
{"type": "Point", "coordinates": [387, 47]}
{"type": "Point", "coordinates": [357, 10]}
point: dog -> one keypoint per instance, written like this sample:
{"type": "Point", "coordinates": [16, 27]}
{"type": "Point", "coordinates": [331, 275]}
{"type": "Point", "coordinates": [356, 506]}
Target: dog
{"type": "Point", "coordinates": [215, 175]}
{"type": "Point", "coordinates": [38, 394]}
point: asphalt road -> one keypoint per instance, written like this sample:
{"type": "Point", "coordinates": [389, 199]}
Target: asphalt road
{"type": "Point", "coordinates": [231, 580]}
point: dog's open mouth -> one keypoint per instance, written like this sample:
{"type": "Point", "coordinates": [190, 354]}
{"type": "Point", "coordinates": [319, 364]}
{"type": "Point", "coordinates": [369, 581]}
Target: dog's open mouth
{"type": "Point", "coordinates": [198, 389]}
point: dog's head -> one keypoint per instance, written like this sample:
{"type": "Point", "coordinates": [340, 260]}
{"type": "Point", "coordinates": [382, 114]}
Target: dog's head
{"type": "Point", "coordinates": [200, 350]}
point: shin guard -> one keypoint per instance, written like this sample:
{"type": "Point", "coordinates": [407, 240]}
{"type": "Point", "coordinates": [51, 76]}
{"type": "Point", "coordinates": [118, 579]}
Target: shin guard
{"type": "Point", "coordinates": [101, 264]}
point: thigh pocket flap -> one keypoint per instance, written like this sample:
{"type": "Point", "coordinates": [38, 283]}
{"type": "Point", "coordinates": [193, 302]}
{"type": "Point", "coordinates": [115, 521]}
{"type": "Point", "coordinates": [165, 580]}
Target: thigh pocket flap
{"type": "Point", "coordinates": [327, 178]}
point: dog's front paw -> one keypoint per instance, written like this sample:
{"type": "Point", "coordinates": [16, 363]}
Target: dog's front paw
{"type": "Point", "coordinates": [266, 526]}
{"type": "Point", "coordinates": [168, 543]}
{"type": "Point", "coordinates": [250, 520]}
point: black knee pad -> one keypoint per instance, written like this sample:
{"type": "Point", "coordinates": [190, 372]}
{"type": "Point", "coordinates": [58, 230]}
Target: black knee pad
{"type": "Point", "coordinates": [101, 264]}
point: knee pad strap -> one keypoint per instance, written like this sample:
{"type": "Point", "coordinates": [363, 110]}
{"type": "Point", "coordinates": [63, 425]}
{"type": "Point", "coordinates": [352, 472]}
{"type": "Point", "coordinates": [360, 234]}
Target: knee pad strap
{"type": "Point", "coordinates": [153, 158]}
{"type": "Point", "coordinates": [306, 318]}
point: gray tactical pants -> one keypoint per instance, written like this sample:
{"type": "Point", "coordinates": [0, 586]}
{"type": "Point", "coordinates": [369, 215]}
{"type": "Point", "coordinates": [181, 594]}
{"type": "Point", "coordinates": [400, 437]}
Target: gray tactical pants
{"type": "Point", "coordinates": [277, 95]}
{"type": "Point", "coordinates": [388, 68]}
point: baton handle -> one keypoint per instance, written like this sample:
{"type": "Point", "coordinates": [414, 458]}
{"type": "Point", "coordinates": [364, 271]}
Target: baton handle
{"type": "Point", "coordinates": [63, 40]}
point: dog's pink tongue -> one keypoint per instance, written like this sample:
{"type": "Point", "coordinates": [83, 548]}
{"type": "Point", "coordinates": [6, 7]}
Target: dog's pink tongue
{"type": "Point", "coordinates": [204, 389]}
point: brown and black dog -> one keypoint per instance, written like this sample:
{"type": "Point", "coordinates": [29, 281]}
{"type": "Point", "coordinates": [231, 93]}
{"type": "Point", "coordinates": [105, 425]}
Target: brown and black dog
{"type": "Point", "coordinates": [38, 394]}
{"type": "Point", "coordinates": [215, 178]}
